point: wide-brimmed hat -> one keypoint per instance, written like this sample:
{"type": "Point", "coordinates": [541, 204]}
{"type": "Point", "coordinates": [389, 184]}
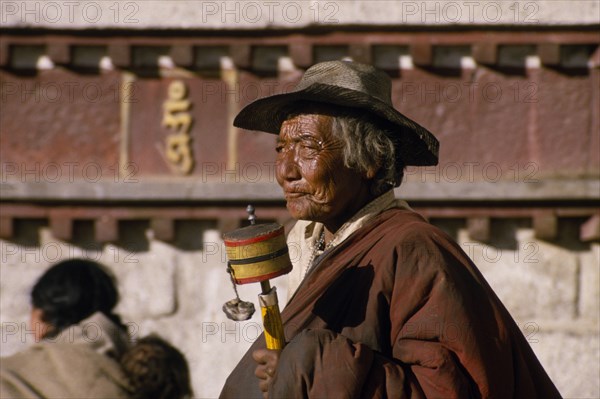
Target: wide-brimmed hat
{"type": "Point", "coordinates": [351, 85]}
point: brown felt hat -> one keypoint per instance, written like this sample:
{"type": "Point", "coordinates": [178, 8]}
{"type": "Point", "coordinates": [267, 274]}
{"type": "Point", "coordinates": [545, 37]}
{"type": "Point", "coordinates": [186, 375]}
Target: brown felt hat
{"type": "Point", "coordinates": [351, 85]}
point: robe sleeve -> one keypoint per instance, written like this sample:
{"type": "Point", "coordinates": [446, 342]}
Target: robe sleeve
{"type": "Point", "coordinates": [451, 329]}
{"type": "Point", "coordinates": [442, 320]}
{"type": "Point", "coordinates": [450, 337]}
{"type": "Point", "coordinates": [422, 304]}
{"type": "Point", "coordinates": [322, 364]}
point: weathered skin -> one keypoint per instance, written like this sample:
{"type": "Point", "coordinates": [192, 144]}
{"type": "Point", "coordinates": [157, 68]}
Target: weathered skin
{"type": "Point", "coordinates": [310, 169]}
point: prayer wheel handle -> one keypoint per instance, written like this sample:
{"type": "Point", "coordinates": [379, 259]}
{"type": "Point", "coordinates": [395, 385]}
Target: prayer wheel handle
{"type": "Point", "coordinates": [269, 309]}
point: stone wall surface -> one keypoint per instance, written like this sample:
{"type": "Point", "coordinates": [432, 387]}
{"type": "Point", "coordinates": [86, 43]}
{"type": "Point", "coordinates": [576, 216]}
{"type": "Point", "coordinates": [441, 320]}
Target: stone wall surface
{"type": "Point", "coordinates": [177, 290]}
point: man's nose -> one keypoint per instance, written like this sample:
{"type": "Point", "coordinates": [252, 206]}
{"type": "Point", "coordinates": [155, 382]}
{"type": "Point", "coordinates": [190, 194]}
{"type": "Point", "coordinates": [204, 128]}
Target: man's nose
{"type": "Point", "coordinates": [287, 167]}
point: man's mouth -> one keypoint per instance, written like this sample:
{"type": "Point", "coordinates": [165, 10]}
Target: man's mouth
{"type": "Point", "coordinates": [293, 194]}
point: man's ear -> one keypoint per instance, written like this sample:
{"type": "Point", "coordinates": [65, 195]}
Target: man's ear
{"type": "Point", "coordinates": [38, 325]}
{"type": "Point", "coordinates": [372, 171]}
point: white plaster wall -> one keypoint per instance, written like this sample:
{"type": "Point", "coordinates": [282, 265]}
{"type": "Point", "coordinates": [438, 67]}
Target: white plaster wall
{"type": "Point", "coordinates": [249, 14]}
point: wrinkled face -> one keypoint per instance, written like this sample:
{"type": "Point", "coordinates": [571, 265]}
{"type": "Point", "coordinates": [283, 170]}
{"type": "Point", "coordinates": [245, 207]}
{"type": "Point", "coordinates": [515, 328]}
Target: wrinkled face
{"type": "Point", "coordinates": [310, 169]}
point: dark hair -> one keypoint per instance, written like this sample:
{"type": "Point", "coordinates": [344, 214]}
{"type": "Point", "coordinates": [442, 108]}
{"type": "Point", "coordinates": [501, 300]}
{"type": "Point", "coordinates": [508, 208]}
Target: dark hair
{"type": "Point", "coordinates": [73, 290]}
{"type": "Point", "coordinates": [156, 370]}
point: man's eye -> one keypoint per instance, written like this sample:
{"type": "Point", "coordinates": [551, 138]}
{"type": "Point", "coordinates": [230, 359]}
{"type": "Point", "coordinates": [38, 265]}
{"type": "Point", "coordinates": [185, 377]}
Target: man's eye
{"type": "Point", "coordinates": [310, 144]}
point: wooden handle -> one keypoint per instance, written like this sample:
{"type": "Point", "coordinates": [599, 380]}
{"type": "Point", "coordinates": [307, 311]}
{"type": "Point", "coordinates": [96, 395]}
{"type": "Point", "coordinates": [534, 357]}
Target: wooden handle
{"type": "Point", "coordinates": [269, 308]}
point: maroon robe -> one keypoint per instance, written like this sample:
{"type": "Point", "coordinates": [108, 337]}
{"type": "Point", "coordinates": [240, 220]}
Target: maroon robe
{"type": "Point", "coordinates": [397, 310]}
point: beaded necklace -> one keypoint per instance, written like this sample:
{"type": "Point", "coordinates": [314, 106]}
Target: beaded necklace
{"type": "Point", "coordinates": [319, 246]}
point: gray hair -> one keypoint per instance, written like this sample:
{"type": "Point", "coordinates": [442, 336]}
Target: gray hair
{"type": "Point", "coordinates": [366, 146]}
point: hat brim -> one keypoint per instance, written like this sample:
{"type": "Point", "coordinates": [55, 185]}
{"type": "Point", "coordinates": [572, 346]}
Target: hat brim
{"type": "Point", "coordinates": [417, 145]}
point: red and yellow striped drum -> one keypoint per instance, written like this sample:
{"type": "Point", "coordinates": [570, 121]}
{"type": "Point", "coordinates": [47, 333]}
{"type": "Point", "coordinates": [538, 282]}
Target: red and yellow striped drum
{"type": "Point", "coordinates": [257, 253]}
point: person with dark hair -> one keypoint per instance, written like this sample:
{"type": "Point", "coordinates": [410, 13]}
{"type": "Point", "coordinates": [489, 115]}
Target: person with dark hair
{"type": "Point", "coordinates": [83, 349]}
{"type": "Point", "coordinates": [70, 292]}
{"type": "Point", "coordinates": [79, 339]}
{"type": "Point", "coordinates": [157, 370]}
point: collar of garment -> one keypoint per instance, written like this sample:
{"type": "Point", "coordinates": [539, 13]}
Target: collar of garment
{"type": "Point", "coordinates": [97, 331]}
{"type": "Point", "coordinates": [385, 201]}
{"type": "Point", "coordinates": [305, 234]}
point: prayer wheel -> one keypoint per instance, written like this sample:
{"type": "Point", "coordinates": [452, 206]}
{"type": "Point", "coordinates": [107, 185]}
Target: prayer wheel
{"type": "Point", "coordinates": [258, 253]}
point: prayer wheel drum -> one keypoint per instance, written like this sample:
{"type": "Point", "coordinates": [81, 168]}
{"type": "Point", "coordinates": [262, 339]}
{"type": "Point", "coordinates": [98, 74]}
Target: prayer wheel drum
{"type": "Point", "coordinates": [257, 253]}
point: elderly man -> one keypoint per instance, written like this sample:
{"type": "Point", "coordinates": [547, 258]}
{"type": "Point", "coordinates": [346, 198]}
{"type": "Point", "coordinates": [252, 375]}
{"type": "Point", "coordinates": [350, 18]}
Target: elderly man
{"type": "Point", "coordinates": [384, 304]}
